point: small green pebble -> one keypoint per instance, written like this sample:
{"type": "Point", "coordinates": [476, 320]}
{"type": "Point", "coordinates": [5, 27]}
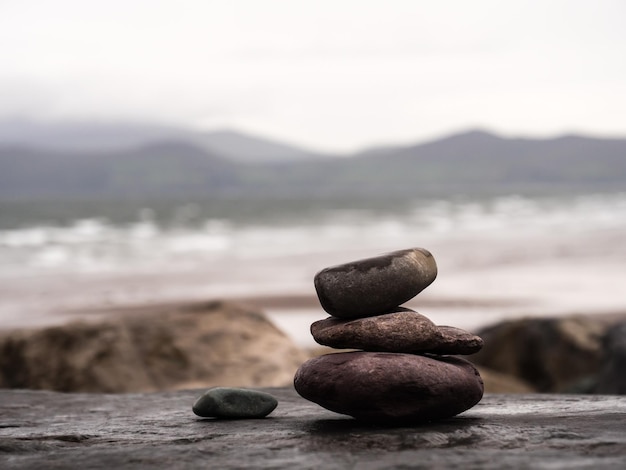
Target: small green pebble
{"type": "Point", "coordinates": [225, 402]}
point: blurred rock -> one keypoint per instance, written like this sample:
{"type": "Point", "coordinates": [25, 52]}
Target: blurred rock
{"type": "Point", "coordinates": [612, 377]}
{"type": "Point", "coordinates": [550, 354]}
{"type": "Point", "coordinates": [198, 345]}
{"type": "Point", "coordinates": [496, 382]}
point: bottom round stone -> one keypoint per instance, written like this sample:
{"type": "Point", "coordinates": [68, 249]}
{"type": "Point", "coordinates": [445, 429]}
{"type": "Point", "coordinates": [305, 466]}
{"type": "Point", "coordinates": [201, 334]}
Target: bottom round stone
{"type": "Point", "coordinates": [390, 387]}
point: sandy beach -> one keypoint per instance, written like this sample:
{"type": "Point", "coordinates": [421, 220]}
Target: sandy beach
{"type": "Point", "coordinates": [482, 279]}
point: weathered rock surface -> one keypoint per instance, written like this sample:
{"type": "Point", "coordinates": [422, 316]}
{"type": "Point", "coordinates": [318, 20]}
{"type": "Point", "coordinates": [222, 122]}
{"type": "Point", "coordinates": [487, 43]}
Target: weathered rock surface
{"type": "Point", "coordinates": [228, 402]}
{"type": "Point", "coordinates": [375, 285]}
{"type": "Point", "coordinates": [403, 331]}
{"type": "Point", "coordinates": [198, 345]}
{"type": "Point", "coordinates": [551, 354]}
{"type": "Point", "coordinates": [390, 387]}
{"type": "Point", "coordinates": [158, 431]}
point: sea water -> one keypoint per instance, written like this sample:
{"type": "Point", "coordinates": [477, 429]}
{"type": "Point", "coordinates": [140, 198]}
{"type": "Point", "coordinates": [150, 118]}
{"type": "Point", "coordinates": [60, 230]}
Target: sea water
{"type": "Point", "coordinates": [522, 254]}
{"type": "Point", "coordinates": [98, 243]}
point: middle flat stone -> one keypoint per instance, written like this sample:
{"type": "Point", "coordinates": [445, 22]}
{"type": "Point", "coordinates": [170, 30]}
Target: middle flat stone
{"type": "Point", "coordinates": [402, 331]}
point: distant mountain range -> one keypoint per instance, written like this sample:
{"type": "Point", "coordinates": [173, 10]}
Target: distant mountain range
{"type": "Point", "coordinates": [70, 161]}
{"type": "Point", "coordinates": [116, 137]}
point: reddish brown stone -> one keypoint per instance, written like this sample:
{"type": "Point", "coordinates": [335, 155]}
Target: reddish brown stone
{"type": "Point", "coordinates": [390, 387]}
{"type": "Point", "coordinates": [375, 285]}
{"type": "Point", "coordinates": [456, 341]}
{"type": "Point", "coordinates": [402, 331]}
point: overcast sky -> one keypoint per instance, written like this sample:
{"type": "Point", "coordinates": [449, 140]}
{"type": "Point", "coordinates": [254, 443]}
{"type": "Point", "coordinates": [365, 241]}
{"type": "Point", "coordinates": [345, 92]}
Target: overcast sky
{"type": "Point", "coordinates": [332, 75]}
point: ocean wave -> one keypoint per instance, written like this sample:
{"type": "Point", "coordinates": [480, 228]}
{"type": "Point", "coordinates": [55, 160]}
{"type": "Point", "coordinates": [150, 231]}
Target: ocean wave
{"type": "Point", "coordinates": [97, 244]}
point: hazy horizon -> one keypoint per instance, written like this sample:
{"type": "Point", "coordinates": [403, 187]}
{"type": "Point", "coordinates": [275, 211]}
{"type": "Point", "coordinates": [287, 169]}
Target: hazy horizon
{"type": "Point", "coordinates": [335, 76]}
{"type": "Point", "coordinates": [53, 126]}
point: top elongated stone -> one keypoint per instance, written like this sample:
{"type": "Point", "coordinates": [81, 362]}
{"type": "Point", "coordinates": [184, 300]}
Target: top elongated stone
{"type": "Point", "coordinates": [375, 285]}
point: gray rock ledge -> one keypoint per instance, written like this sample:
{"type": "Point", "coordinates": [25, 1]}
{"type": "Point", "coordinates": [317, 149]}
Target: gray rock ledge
{"type": "Point", "coordinates": [57, 430]}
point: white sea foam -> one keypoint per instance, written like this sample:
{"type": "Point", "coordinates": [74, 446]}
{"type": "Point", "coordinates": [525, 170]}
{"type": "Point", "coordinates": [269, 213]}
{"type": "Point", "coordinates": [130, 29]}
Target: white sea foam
{"type": "Point", "coordinates": [96, 244]}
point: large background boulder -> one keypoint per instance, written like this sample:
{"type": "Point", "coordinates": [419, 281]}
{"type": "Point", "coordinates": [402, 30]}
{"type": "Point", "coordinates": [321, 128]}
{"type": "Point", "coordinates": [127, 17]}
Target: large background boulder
{"type": "Point", "coordinates": [190, 346]}
{"type": "Point", "coordinates": [612, 377]}
{"type": "Point", "coordinates": [550, 354]}
{"type": "Point", "coordinates": [496, 382]}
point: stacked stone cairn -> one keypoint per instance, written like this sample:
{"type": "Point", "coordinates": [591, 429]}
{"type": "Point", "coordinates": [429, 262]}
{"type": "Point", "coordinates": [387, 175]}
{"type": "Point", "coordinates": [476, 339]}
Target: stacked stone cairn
{"type": "Point", "coordinates": [406, 369]}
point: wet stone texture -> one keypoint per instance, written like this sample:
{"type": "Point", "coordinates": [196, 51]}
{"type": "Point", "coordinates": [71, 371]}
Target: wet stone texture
{"type": "Point", "coordinates": [376, 285]}
{"type": "Point", "coordinates": [56, 430]}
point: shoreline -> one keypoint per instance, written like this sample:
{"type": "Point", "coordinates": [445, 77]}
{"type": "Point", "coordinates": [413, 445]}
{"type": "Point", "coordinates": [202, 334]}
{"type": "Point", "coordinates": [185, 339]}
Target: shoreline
{"type": "Point", "coordinates": [482, 279]}
{"type": "Point", "coordinates": [293, 313]}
